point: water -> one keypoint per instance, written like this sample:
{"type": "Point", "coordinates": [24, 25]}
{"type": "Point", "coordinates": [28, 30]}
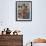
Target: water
{"type": "Point", "coordinates": [38, 44]}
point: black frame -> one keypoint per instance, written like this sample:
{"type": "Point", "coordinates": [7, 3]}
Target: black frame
{"type": "Point", "coordinates": [31, 10]}
{"type": "Point", "coordinates": [31, 43]}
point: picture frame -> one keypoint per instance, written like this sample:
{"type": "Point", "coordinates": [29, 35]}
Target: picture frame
{"type": "Point", "coordinates": [23, 10]}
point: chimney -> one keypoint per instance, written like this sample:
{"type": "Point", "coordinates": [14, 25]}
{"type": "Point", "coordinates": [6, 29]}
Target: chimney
{"type": "Point", "coordinates": [8, 31]}
{"type": "Point", "coordinates": [15, 33]}
{"type": "Point", "coordinates": [4, 32]}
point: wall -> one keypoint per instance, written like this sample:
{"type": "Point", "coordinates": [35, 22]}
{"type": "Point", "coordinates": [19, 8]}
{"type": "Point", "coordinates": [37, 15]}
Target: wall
{"type": "Point", "coordinates": [31, 30]}
{"type": "Point", "coordinates": [11, 40]}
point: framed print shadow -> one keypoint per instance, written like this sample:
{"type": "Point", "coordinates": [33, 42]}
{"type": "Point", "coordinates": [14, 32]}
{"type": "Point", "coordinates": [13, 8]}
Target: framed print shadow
{"type": "Point", "coordinates": [23, 10]}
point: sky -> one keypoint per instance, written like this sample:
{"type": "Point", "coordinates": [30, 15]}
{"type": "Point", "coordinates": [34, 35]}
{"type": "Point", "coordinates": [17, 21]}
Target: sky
{"type": "Point", "coordinates": [31, 29]}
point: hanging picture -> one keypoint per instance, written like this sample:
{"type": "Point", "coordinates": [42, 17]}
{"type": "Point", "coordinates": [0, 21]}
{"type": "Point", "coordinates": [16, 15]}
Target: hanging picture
{"type": "Point", "coordinates": [23, 10]}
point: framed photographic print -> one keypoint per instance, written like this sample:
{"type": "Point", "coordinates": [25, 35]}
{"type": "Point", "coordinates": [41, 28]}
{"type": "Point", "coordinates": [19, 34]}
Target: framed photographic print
{"type": "Point", "coordinates": [23, 10]}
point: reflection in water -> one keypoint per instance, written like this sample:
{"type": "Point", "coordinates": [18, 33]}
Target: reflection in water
{"type": "Point", "coordinates": [39, 40]}
{"type": "Point", "coordinates": [39, 44]}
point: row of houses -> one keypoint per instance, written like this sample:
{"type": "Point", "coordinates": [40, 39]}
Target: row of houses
{"type": "Point", "coordinates": [9, 32]}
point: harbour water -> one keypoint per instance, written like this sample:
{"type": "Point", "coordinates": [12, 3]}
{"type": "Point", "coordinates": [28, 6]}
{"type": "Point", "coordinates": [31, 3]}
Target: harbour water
{"type": "Point", "coordinates": [38, 44]}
